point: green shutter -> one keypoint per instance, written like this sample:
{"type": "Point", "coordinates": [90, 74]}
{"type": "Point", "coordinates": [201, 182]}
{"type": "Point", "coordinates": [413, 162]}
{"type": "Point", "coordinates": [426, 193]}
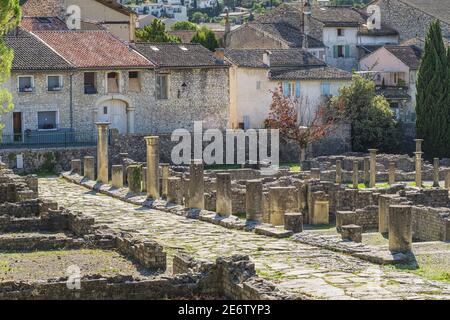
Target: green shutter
{"type": "Point", "coordinates": [335, 52]}
{"type": "Point", "coordinates": [347, 51]}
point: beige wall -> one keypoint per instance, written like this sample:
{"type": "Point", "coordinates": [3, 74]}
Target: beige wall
{"type": "Point", "coordinates": [255, 103]}
{"type": "Point", "coordinates": [95, 11]}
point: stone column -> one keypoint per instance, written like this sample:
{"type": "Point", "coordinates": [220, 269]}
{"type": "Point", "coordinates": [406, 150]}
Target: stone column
{"type": "Point", "coordinates": [447, 179]}
{"type": "Point", "coordinates": [144, 179]}
{"type": "Point", "coordinates": [165, 169]}
{"type": "Point", "coordinates": [117, 176]}
{"type": "Point", "coordinates": [75, 166]}
{"type": "Point", "coordinates": [223, 194]}
{"type": "Point", "coordinates": [367, 171]}
{"type": "Point", "coordinates": [134, 178]}
{"type": "Point", "coordinates": [338, 171]}
{"type": "Point", "coordinates": [196, 185]}
{"type": "Point", "coordinates": [384, 201]}
{"type": "Point", "coordinates": [373, 167]}
{"type": "Point", "coordinates": [418, 145]}
{"type": "Point", "coordinates": [391, 172]}
{"type": "Point", "coordinates": [418, 164]}
{"type": "Point", "coordinates": [281, 200]}
{"type": "Point", "coordinates": [400, 228]}
{"type": "Point", "coordinates": [355, 174]}
{"type": "Point", "coordinates": [436, 172]}
{"type": "Point", "coordinates": [152, 167]}
{"type": "Point", "coordinates": [102, 152]}
{"type": "Point", "coordinates": [89, 171]}
{"type": "Point", "coordinates": [174, 190]}
{"type": "Point", "coordinates": [254, 200]}
{"type": "Point", "coordinates": [315, 173]}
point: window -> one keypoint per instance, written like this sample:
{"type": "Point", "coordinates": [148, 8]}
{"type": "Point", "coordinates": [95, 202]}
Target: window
{"type": "Point", "coordinates": [113, 82]}
{"type": "Point", "coordinates": [26, 84]}
{"type": "Point", "coordinates": [325, 89]}
{"type": "Point", "coordinates": [54, 83]}
{"type": "Point", "coordinates": [162, 86]}
{"type": "Point", "coordinates": [90, 83]}
{"type": "Point", "coordinates": [340, 32]}
{"type": "Point", "coordinates": [47, 120]}
{"type": "Point", "coordinates": [105, 110]}
{"type": "Point", "coordinates": [134, 82]}
{"type": "Point", "coordinates": [291, 89]}
{"type": "Point", "coordinates": [341, 51]}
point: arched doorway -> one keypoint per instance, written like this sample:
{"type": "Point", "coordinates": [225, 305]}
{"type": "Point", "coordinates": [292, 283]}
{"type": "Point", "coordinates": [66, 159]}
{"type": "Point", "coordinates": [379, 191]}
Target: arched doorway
{"type": "Point", "coordinates": [117, 111]}
{"type": "Point", "coordinates": [114, 112]}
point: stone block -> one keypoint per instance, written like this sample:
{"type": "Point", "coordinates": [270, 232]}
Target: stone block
{"type": "Point", "coordinates": [89, 171]}
{"type": "Point", "coordinates": [75, 166]}
{"type": "Point", "coordinates": [293, 221]}
{"type": "Point", "coordinates": [344, 218]}
{"type": "Point", "coordinates": [352, 232]}
{"type": "Point", "coordinates": [400, 228]}
{"type": "Point", "coordinates": [321, 213]}
{"type": "Point", "coordinates": [117, 176]}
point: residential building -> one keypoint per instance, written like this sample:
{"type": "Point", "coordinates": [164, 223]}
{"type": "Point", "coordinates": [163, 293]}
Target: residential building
{"type": "Point", "coordinates": [110, 14]}
{"type": "Point", "coordinates": [191, 85]}
{"type": "Point", "coordinates": [255, 73]}
{"type": "Point", "coordinates": [411, 17]}
{"type": "Point", "coordinates": [333, 34]}
{"type": "Point", "coordinates": [65, 81]}
{"type": "Point", "coordinates": [394, 70]}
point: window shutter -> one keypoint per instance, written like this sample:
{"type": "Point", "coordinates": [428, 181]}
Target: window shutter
{"type": "Point", "coordinates": [347, 51]}
{"type": "Point", "coordinates": [297, 89]}
{"type": "Point", "coordinates": [325, 88]}
{"type": "Point", "coordinates": [335, 52]}
{"type": "Point", "coordinates": [286, 89]}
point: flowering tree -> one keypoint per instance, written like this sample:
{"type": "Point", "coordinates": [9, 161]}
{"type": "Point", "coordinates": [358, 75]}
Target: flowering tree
{"type": "Point", "coordinates": [296, 120]}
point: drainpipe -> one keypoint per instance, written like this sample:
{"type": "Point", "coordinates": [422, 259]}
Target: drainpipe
{"type": "Point", "coordinates": [71, 101]}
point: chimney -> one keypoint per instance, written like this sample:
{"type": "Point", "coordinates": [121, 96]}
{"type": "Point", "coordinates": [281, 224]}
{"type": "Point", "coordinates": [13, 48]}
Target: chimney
{"type": "Point", "coordinates": [306, 22]}
{"type": "Point", "coordinates": [219, 55]}
{"type": "Point", "coordinates": [266, 57]}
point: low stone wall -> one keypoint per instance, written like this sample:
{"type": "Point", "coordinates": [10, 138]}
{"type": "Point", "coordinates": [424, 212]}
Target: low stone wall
{"type": "Point", "coordinates": [49, 159]}
{"type": "Point", "coordinates": [430, 224]}
{"type": "Point", "coordinates": [147, 253]}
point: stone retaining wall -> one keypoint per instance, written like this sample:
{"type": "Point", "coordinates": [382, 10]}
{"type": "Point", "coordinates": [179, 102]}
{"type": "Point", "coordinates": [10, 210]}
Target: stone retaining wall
{"type": "Point", "coordinates": [430, 224]}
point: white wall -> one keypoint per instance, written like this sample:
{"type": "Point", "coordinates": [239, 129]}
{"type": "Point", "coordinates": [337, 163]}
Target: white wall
{"type": "Point", "coordinates": [350, 38]}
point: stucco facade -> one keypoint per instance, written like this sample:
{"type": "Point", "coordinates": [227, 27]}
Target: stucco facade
{"type": "Point", "coordinates": [251, 90]}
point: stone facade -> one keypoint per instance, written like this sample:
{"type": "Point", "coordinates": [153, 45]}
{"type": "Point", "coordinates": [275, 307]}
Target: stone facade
{"type": "Point", "coordinates": [408, 20]}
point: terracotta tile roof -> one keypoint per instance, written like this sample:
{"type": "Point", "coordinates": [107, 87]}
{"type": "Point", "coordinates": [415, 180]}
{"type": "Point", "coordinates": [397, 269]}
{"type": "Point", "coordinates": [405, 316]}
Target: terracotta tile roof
{"type": "Point", "coordinates": [31, 54]}
{"type": "Point", "coordinates": [186, 55]}
{"type": "Point", "coordinates": [43, 24]}
{"type": "Point", "coordinates": [44, 8]}
{"type": "Point", "coordinates": [93, 49]}
{"type": "Point", "coordinates": [439, 9]}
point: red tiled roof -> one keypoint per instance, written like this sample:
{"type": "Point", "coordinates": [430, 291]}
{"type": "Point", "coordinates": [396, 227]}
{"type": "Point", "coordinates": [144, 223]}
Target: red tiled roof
{"type": "Point", "coordinates": [93, 49]}
{"type": "Point", "coordinates": [43, 24]}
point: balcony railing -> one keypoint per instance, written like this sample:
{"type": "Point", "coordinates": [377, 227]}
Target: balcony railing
{"type": "Point", "coordinates": [53, 139]}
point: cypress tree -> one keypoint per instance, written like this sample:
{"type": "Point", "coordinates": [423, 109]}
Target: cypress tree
{"type": "Point", "coordinates": [432, 122]}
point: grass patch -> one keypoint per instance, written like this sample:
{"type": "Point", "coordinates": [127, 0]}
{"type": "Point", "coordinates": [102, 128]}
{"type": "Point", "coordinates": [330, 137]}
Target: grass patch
{"type": "Point", "coordinates": [40, 173]}
{"type": "Point", "coordinates": [428, 266]}
{"type": "Point", "coordinates": [240, 215]}
{"type": "Point", "coordinates": [364, 186]}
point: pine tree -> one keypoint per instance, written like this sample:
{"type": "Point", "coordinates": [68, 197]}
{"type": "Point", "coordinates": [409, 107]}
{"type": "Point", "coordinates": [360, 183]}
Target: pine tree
{"type": "Point", "coordinates": [10, 14]}
{"type": "Point", "coordinates": [432, 122]}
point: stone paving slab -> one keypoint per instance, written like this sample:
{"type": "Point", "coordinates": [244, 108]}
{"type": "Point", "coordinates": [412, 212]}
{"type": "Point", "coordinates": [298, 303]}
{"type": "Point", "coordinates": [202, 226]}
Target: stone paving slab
{"type": "Point", "coordinates": [296, 268]}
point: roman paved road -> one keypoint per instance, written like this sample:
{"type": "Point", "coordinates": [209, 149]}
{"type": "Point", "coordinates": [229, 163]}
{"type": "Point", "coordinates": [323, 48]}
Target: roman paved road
{"type": "Point", "coordinates": [294, 267]}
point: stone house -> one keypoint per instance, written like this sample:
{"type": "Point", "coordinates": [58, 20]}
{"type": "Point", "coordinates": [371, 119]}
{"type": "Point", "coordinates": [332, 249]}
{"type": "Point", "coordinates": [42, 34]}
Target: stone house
{"type": "Point", "coordinates": [192, 85]}
{"type": "Point", "coordinates": [106, 14]}
{"type": "Point", "coordinates": [394, 70]}
{"type": "Point", "coordinates": [257, 72]}
{"type": "Point", "coordinates": [412, 17]}
{"type": "Point", "coordinates": [334, 34]}
{"type": "Point", "coordinates": [65, 81]}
